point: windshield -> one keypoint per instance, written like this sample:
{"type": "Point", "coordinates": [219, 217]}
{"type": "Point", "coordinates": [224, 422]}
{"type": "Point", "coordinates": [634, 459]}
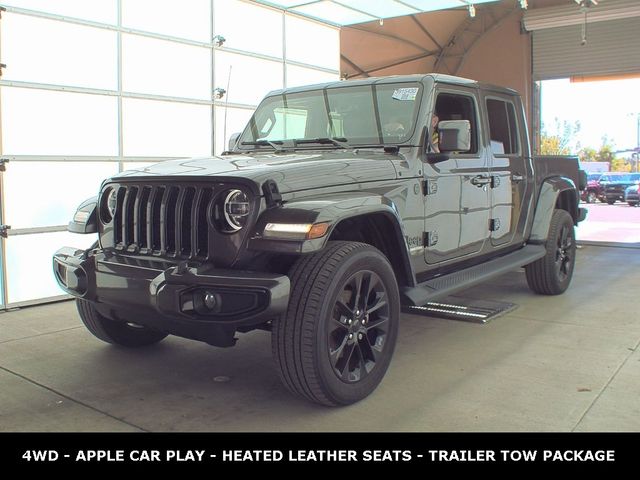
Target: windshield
{"type": "Point", "coordinates": [337, 117]}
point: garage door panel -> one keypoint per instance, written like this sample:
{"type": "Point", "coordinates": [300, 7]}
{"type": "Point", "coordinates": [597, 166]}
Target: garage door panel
{"type": "Point", "coordinates": [29, 266]}
{"type": "Point", "coordinates": [611, 48]}
{"type": "Point", "coordinates": [61, 54]}
{"type": "Point", "coordinates": [40, 122]}
{"type": "Point", "coordinates": [33, 200]}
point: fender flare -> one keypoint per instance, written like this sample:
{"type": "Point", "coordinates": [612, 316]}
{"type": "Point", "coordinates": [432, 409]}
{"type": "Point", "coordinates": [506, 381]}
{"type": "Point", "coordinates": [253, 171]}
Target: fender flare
{"type": "Point", "coordinates": [332, 209]}
{"type": "Point", "coordinates": [550, 191]}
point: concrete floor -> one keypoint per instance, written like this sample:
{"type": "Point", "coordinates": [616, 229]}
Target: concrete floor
{"type": "Point", "coordinates": [562, 363]}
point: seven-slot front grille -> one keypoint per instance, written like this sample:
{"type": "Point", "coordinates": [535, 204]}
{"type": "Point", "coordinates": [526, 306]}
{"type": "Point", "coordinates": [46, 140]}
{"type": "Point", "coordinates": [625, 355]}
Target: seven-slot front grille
{"type": "Point", "coordinates": [163, 220]}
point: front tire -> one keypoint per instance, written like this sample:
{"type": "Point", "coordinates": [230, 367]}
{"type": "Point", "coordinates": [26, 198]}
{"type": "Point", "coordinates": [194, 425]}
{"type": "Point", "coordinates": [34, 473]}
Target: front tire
{"type": "Point", "coordinates": [591, 197]}
{"type": "Point", "coordinates": [335, 342]}
{"type": "Point", "coordinates": [117, 333]}
{"type": "Point", "coordinates": [611, 201]}
{"type": "Point", "coordinates": [551, 275]}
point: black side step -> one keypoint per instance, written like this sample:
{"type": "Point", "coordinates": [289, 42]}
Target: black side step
{"type": "Point", "coordinates": [445, 285]}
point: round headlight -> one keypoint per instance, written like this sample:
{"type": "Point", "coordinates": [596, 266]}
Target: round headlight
{"type": "Point", "coordinates": [108, 204]}
{"type": "Point", "coordinates": [112, 202]}
{"type": "Point", "coordinates": [236, 210]}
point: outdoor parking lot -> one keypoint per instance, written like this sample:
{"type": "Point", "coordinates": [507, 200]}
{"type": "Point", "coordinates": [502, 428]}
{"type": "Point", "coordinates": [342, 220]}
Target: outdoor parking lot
{"type": "Point", "coordinates": [617, 223]}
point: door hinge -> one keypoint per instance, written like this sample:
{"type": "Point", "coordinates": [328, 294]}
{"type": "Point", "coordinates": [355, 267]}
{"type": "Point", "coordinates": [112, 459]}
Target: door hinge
{"type": "Point", "coordinates": [494, 224]}
{"type": "Point", "coordinates": [2, 66]}
{"type": "Point", "coordinates": [4, 230]}
{"type": "Point", "coordinates": [3, 164]}
{"type": "Point", "coordinates": [429, 187]}
{"type": "Point", "coordinates": [429, 239]}
{"type": "Point", "coordinates": [2, 9]}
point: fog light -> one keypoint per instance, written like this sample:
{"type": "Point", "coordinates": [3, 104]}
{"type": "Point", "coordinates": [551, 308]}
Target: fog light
{"type": "Point", "coordinates": [205, 302]}
{"type": "Point", "coordinates": [210, 300]}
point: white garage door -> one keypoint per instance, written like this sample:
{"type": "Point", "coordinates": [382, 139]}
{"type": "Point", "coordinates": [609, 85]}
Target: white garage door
{"type": "Point", "coordinates": [612, 36]}
{"type": "Point", "coordinates": [93, 88]}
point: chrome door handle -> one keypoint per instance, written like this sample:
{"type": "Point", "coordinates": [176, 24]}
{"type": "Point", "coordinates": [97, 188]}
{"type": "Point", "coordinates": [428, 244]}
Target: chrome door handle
{"type": "Point", "coordinates": [480, 180]}
{"type": "Point", "coordinates": [516, 177]}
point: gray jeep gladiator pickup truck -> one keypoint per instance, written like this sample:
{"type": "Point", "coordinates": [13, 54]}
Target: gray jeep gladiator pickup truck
{"type": "Point", "coordinates": [337, 205]}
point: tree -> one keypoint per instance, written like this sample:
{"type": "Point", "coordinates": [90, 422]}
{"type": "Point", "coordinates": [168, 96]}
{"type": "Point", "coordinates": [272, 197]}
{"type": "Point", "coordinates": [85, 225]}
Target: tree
{"type": "Point", "coordinates": [588, 154]}
{"type": "Point", "coordinates": [561, 139]}
{"type": "Point", "coordinates": [606, 153]}
{"type": "Point", "coordinates": [620, 165]}
{"type": "Point", "coordinates": [552, 145]}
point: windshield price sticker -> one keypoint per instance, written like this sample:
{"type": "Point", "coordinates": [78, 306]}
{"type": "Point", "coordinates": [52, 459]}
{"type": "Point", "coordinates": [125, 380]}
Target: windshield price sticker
{"type": "Point", "coordinates": [405, 94]}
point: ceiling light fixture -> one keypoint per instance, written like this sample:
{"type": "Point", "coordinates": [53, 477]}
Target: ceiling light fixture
{"type": "Point", "coordinates": [524, 4]}
{"type": "Point", "coordinates": [472, 10]}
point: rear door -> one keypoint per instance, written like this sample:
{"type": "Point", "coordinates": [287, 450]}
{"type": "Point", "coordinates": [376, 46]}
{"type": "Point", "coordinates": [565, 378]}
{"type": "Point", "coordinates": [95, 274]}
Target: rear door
{"type": "Point", "coordinates": [510, 170]}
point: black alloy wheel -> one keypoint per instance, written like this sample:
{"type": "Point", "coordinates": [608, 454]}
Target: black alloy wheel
{"type": "Point", "coordinates": [335, 342]}
{"type": "Point", "coordinates": [564, 252]}
{"type": "Point", "coordinates": [359, 326]}
{"type": "Point", "coordinates": [551, 275]}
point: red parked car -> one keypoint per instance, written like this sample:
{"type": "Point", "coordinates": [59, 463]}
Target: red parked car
{"type": "Point", "coordinates": [594, 190]}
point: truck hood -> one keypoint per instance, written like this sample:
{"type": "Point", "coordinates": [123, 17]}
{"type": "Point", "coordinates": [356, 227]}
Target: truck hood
{"type": "Point", "coordinates": [291, 171]}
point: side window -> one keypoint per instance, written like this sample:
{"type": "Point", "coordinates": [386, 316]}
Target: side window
{"type": "Point", "coordinates": [452, 106]}
{"type": "Point", "coordinates": [503, 128]}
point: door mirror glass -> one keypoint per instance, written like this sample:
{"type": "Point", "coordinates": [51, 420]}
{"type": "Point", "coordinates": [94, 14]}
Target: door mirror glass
{"type": "Point", "coordinates": [455, 135]}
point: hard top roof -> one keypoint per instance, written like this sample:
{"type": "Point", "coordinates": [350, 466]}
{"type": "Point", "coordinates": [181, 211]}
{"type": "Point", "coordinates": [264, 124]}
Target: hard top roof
{"type": "Point", "coordinates": [436, 77]}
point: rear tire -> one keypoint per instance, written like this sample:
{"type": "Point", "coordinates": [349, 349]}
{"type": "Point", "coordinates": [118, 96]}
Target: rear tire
{"type": "Point", "coordinates": [336, 340]}
{"type": "Point", "coordinates": [632, 204]}
{"type": "Point", "coordinates": [551, 275]}
{"type": "Point", "coordinates": [117, 333]}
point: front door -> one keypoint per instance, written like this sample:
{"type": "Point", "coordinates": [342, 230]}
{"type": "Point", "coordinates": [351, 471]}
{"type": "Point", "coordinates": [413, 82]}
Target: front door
{"type": "Point", "coordinates": [457, 196]}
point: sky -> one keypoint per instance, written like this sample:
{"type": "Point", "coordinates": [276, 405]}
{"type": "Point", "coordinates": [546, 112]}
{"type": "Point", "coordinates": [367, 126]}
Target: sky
{"type": "Point", "coordinates": [603, 108]}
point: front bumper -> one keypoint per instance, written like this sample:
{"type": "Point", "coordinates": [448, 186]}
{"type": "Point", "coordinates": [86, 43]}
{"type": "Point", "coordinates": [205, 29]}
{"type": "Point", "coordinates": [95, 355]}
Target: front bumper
{"type": "Point", "coordinates": [192, 301]}
{"type": "Point", "coordinates": [615, 193]}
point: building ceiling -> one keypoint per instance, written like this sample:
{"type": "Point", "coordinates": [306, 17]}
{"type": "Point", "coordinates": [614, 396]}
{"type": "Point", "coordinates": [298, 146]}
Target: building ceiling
{"type": "Point", "coordinates": [436, 41]}
{"type": "Point", "coordinates": [351, 12]}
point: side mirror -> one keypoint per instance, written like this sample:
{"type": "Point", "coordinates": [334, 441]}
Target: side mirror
{"type": "Point", "coordinates": [455, 135]}
{"type": "Point", "coordinates": [233, 140]}
{"type": "Point", "coordinates": [436, 157]}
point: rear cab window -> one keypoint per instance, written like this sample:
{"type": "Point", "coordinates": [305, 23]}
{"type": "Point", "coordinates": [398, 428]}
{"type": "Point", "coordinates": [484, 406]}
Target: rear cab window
{"type": "Point", "coordinates": [504, 136]}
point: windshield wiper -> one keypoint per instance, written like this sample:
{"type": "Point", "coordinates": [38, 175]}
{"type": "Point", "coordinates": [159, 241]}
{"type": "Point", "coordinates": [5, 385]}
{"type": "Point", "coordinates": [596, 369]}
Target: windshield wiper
{"type": "Point", "coordinates": [275, 144]}
{"type": "Point", "coordinates": [337, 141]}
